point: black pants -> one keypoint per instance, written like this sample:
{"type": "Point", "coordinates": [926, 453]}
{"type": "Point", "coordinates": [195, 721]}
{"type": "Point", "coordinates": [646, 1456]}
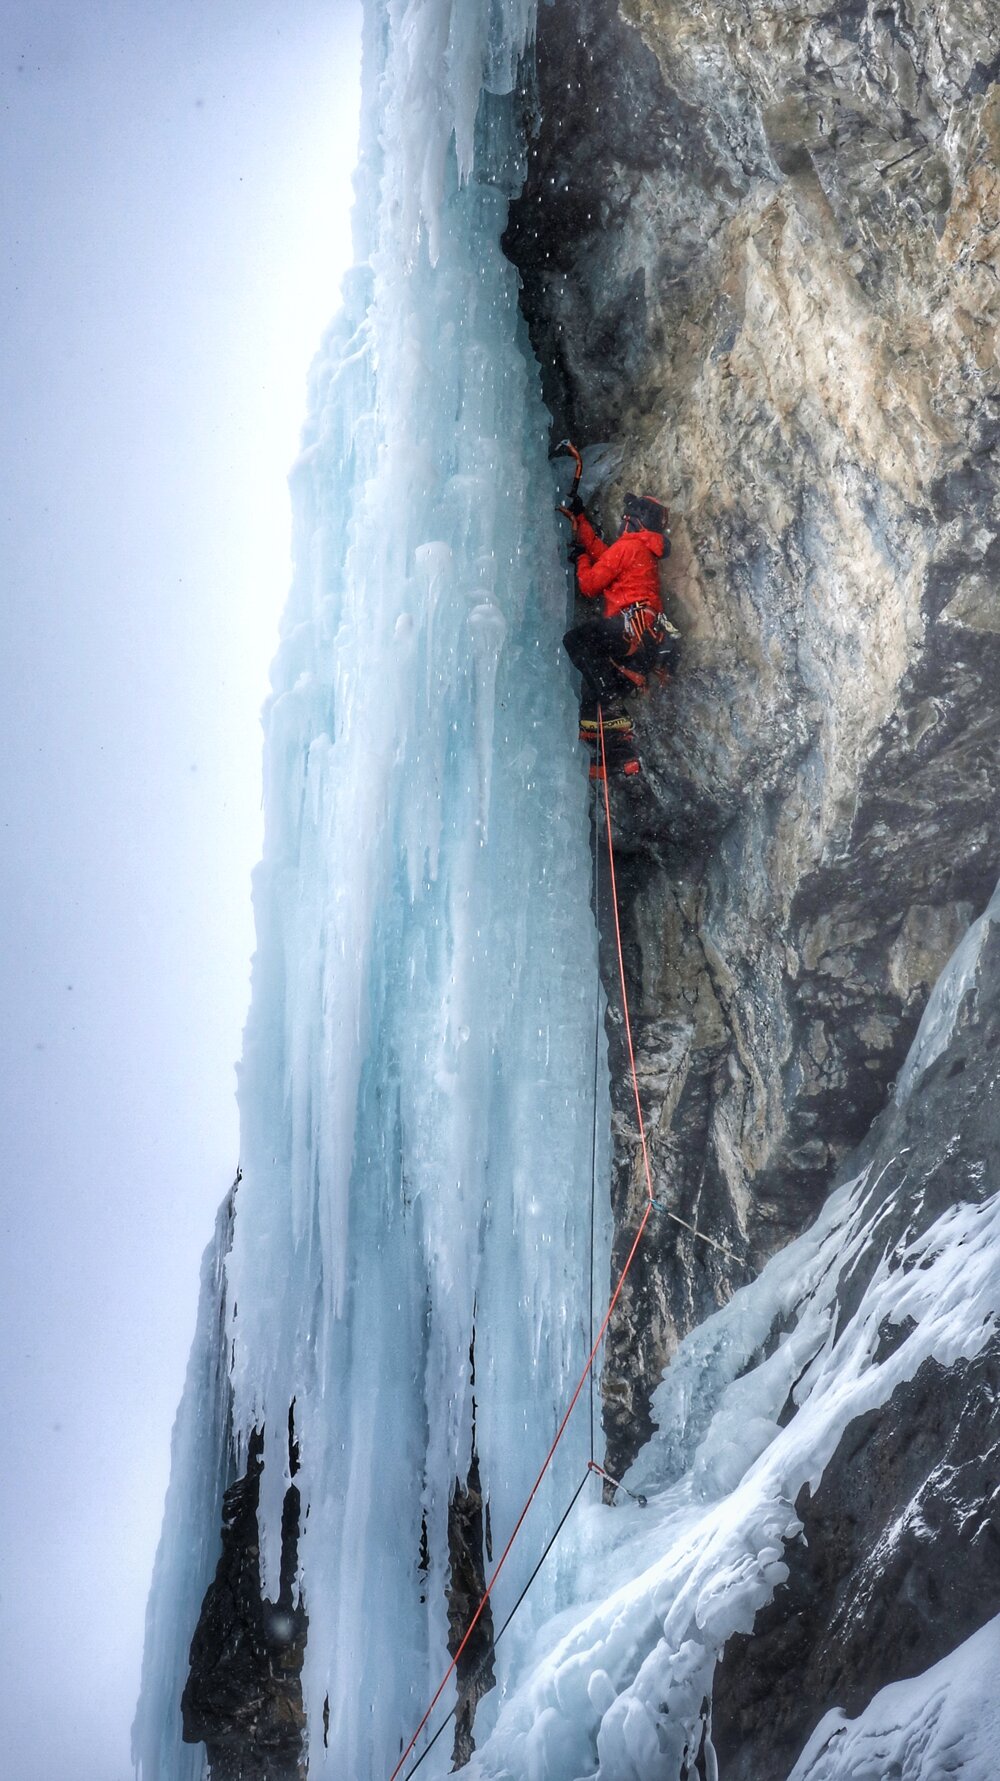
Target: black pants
{"type": "Point", "coordinates": [594, 647]}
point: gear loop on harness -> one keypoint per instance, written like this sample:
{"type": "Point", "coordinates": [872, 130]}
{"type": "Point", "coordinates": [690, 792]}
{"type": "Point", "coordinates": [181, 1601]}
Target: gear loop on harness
{"type": "Point", "coordinates": [644, 623]}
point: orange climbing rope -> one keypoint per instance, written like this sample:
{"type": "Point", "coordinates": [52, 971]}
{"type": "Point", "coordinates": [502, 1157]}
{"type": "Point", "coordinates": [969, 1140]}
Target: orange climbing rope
{"type": "Point", "coordinates": [621, 974]}
{"type": "Point", "coordinates": [581, 1382]}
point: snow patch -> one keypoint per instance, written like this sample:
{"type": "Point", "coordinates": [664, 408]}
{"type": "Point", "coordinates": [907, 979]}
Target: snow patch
{"type": "Point", "coordinates": [929, 1728]}
{"type": "Point", "coordinates": [667, 1586]}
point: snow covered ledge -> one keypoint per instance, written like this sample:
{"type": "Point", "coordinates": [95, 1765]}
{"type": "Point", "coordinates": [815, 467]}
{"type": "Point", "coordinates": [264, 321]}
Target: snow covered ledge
{"type": "Point", "coordinates": [894, 1290]}
{"type": "Point", "coordinates": [945, 1722]}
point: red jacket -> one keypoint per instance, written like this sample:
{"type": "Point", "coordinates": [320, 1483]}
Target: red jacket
{"type": "Point", "coordinates": [624, 572]}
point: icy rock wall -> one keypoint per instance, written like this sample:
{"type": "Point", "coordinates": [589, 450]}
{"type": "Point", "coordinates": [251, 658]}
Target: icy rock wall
{"type": "Point", "coordinates": [760, 248]}
{"type": "Point", "coordinates": [821, 1485]}
{"type": "Point", "coordinates": [408, 1268]}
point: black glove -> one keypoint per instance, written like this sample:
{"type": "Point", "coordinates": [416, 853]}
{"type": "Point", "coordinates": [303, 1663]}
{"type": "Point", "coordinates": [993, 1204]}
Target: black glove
{"type": "Point", "coordinates": [574, 552]}
{"type": "Point", "coordinates": [575, 504]}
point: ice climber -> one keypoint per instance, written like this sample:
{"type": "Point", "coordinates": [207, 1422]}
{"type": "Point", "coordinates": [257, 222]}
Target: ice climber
{"type": "Point", "coordinates": [632, 639]}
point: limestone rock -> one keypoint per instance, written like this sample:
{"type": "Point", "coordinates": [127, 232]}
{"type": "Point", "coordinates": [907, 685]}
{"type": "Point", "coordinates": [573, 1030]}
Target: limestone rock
{"type": "Point", "coordinates": [760, 253]}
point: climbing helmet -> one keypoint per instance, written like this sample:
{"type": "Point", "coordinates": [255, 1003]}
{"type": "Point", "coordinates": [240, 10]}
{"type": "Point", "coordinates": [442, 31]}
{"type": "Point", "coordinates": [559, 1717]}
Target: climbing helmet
{"type": "Point", "coordinates": [647, 513]}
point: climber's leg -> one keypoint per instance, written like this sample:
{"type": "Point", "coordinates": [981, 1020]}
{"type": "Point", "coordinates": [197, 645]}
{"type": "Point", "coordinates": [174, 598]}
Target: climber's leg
{"type": "Point", "coordinates": [594, 648]}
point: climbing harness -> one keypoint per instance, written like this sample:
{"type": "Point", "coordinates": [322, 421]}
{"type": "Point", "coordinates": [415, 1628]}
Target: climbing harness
{"type": "Point", "coordinates": [651, 1206]}
{"type": "Point", "coordinates": [654, 640]}
{"type": "Point", "coordinates": [646, 627]}
{"type": "Point", "coordinates": [641, 621]}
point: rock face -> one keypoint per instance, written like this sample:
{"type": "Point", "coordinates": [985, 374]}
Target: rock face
{"type": "Point", "coordinates": [874, 1596]}
{"type": "Point", "coordinates": [469, 1548]}
{"type": "Point", "coordinates": [243, 1696]}
{"type": "Point", "coordinates": [760, 252]}
{"type": "Point", "coordinates": [899, 1559]}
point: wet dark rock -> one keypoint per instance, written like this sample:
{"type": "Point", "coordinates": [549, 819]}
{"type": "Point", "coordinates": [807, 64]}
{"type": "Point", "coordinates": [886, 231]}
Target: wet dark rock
{"type": "Point", "coordinates": [243, 1697]}
{"type": "Point", "coordinates": [469, 1547]}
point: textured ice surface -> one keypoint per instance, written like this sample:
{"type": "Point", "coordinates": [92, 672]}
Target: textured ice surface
{"type": "Point", "coordinates": [417, 1084]}
{"type": "Point", "coordinates": [946, 1000]}
{"type": "Point", "coordinates": [942, 1724]}
{"type": "Point", "coordinates": [416, 1100]}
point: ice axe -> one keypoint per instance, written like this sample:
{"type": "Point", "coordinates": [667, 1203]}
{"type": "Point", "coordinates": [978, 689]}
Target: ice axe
{"type": "Point", "coordinates": [566, 446]}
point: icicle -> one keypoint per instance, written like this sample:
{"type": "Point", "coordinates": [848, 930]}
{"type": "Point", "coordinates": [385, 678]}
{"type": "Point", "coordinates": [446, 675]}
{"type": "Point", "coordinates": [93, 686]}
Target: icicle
{"type": "Point", "coordinates": [488, 628]}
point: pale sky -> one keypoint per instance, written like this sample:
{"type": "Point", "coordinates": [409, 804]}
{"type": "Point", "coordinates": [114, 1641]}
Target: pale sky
{"type": "Point", "coordinates": [175, 192]}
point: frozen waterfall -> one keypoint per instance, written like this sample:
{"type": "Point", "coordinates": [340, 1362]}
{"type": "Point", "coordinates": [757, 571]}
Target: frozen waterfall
{"type": "Point", "coordinates": [401, 1278]}
{"type": "Point", "coordinates": [416, 1090]}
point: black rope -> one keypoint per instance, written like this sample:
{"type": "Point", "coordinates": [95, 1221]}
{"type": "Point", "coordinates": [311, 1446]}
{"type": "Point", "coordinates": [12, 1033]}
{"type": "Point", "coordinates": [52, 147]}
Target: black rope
{"type": "Point", "coordinates": [470, 1685]}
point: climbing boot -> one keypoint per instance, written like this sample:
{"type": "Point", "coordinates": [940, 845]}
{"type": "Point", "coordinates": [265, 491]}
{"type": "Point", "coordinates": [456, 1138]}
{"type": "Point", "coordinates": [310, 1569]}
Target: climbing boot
{"type": "Point", "coordinates": [617, 729]}
{"type": "Point", "coordinates": [619, 744]}
{"type": "Point", "coordinates": [619, 738]}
